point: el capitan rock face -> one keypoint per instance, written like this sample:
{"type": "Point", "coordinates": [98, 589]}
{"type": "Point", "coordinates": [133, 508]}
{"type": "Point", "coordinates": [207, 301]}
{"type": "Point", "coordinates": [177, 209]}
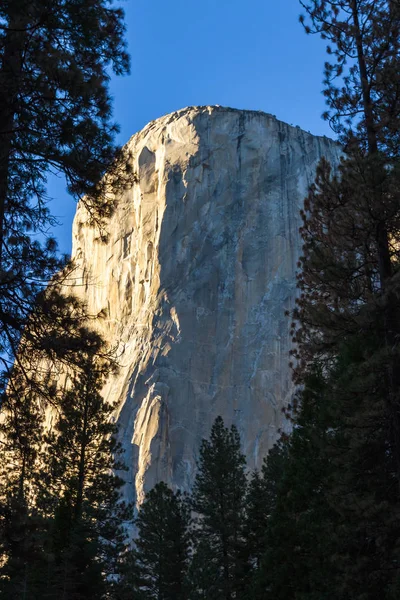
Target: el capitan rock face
{"type": "Point", "coordinates": [194, 281]}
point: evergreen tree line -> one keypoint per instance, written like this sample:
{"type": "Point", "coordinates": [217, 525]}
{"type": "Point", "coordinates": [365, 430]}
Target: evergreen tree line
{"type": "Point", "coordinates": [319, 521]}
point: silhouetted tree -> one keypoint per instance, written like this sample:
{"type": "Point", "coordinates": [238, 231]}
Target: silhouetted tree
{"type": "Point", "coordinates": [349, 278]}
{"type": "Point", "coordinates": [162, 545]}
{"type": "Point", "coordinates": [55, 117]}
{"type": "Point", "coordinates": [218, 498]}
{"type": "Point", "coordinates": [79, 487]}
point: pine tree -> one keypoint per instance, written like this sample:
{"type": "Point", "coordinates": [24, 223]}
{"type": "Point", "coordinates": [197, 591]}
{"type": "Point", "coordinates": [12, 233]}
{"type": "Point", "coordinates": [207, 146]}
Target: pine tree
{"type": "Point", "coordinates": [332, 532]}
{"type": "Point", "coordinates": [257, 513]}
{"type": "Point", "coordinates": [260, 503]}
{"type": "Point", "coordinates": [22, 527]}
{"type": "Point", "coordinates": [162, 545]}
{"type": "Point", "coordinates": [55, 116]}
{"type": "Point", "coordinates": [127, 585]}
{"type": "Point", "coordinates": [364, 43]}
{"type": "Point", "coordinates": [297, 549]}
{"type": "Point", "coordinates": [56, 341]}
{"type": "Point", "coordinates": [346, 327]}
{"type": "Point", "coordinates": [218, 498]}
{"type": "Point", "coordinates": [204, 574]}
{"type": "Point", "coordinates": [352, 225]}
{"type": "Point", "coordinates": [79, 489]}
{"type": "Point", "coordinates": [347, 320]}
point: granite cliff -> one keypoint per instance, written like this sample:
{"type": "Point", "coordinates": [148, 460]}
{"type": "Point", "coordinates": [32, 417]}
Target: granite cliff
{"type": "Point", "coordinates": [194, 281]}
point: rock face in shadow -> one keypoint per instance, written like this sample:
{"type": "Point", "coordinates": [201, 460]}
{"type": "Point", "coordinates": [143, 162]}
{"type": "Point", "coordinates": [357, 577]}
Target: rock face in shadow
{"type": "Point", "coordinates": [194, 281]}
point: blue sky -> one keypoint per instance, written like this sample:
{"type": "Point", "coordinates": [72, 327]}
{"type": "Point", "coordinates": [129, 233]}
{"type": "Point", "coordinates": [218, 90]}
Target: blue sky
{"type": "Point", "coordinates": [249, 54]}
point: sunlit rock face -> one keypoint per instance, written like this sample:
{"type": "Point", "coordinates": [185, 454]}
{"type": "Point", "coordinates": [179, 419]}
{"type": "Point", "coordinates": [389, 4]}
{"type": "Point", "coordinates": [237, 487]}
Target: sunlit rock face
{"type": "Point", "coordinates": [194, 281]}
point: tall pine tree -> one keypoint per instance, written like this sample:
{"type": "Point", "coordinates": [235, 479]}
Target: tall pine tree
{"type": "Point", "coordinates": [343, 542]}
{"type": "Point", "coordinates": [79, 489]}
{"type": "Point", "coordinates": [22, 527]}
{"type": "Point", "coordinates": [218, 498]}
{"type": "Point", "coordinates": [55, 117]}
{"type": "Point", "coordinates": [351, 224]}
{"type": "Point", "coordinates": [163, 544]}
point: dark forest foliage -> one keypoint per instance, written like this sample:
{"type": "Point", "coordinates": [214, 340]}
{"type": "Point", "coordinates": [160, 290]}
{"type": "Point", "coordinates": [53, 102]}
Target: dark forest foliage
{"type": "Point", "coordinates": [55, 117]}
{"type": "Point", "coordinates": [63, 524]}
{"type": "Point", "coordinates": [162, 545]}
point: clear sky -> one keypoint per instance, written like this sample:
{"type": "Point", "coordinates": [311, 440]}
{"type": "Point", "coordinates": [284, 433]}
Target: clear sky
{"type": "Point", "coordinates": [250, 54]}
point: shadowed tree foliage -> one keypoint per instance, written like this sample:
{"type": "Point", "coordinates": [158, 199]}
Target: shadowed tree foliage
{"type": "Point", "coordinates": [79, 486]}
{"type": "Point", "coordinates": [349, 279]}
{"type": "Point", "coordinates": [62, 520]}
{"type": "Point", "coordinates": [55, 117]}
{"type": "Point", "coordinates": [333, 532]}
{"type": "Point", "coordinates": [260, 503]}
{"type": "Point", "coordinates": [127, 587]}
{"type": "Point", "coordinates": [256, 518]}
{"type": "Point", "coordinates": [218, 498]}
{"type": "Point", "coordinates": [162, 545]}
{"type": "Point", "coordinates": [22, 527]}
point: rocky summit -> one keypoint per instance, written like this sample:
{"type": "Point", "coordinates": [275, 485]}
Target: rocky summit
{"type": "Point", "coordinates": [194, 281]}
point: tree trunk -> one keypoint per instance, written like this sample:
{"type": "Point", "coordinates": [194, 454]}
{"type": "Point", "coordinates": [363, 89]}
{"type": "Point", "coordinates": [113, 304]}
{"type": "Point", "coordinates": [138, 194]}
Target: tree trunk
{"type": "Point", "coordinates": [82, 460]}
{"type": "Point", "coordinates": [385, 266]}
{"type": "Point", "coordinates": [382, 242]}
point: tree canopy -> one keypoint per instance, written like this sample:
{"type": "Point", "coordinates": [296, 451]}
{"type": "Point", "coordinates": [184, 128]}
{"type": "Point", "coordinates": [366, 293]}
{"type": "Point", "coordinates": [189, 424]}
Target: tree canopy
{"type": "Point", "coordinates": [56, 57]}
